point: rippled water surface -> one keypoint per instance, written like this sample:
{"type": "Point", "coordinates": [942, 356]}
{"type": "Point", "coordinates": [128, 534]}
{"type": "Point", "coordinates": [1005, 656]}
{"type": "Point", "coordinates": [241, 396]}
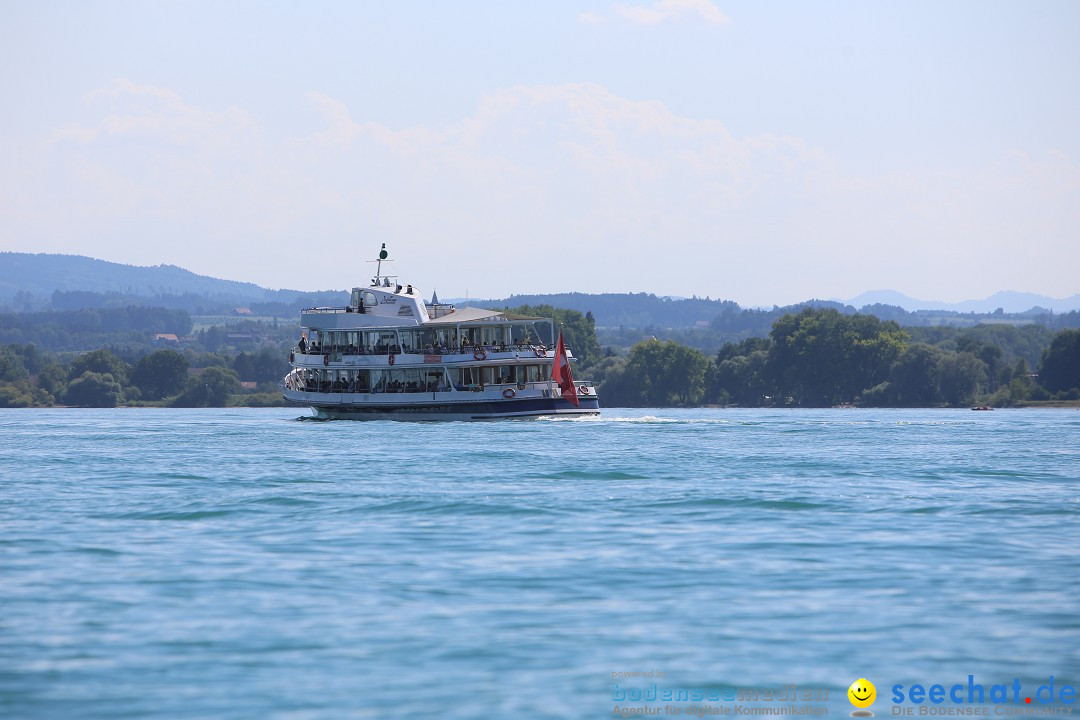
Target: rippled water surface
{"type": "Point", "coordinates": [243, 564]}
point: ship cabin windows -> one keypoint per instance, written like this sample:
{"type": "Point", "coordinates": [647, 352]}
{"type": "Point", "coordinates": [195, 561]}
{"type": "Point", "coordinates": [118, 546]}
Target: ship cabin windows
{"type": "Point", "coordinates": [354, 342]}
{"type": "Point", "coordinates": [417, 340]}
{"type": "Point", "coordinates": [408, 380]}
{"type": "Point", "coordinates": [416, 380]}
{"type": "Point", "coordinates": [430, 341]}
{"type": "Point", "coordinates": [334, 381]}
{"type": "Point", "coordinates": [382, 342]}
{"type": "Point", "coordinates": [479, 377]}
{"type": "Point", "coordinates": [503, 337]}
{"type": "Point", "coordinates": [405, 380]}
{"type": "Point", "coordinates": [358, 303]}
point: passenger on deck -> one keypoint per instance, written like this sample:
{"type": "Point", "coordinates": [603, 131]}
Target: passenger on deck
{"type": "Point", "coordinates": [303, 345]}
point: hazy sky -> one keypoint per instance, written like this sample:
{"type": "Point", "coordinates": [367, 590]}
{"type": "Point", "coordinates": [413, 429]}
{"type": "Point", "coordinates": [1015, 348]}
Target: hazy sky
{"type": "Point", "coordinates": [764, 152]}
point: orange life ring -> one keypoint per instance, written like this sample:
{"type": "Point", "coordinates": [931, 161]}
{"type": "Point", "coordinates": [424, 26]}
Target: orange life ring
{"type": "Point", "coordinates": [540, 351]}
{"type": "Point", "coordinates": [325, 359]}
{"type": "Point", "coordinates": [390, 359]}
{"type": "Point", "coordinates": [583, 390]}
{"type": "Point", "coordinates": [480, 354]}
{"type": "Point", "coordinates": [509, 393]}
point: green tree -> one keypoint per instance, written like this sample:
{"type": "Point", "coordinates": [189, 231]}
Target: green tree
{"type": "Point", "coordinates": [914, 376]}
{"type": "Point", "coordinates": [93, 389]}
{"type": "Point", "coordinates": [821, 357]}
{"type": "Point", "coordinates": [738, 374]}
{"type": "Point", "coordinates": [13, 395]}
{"type": "Point", "coordinates": [1016, 388]}
{"type": "Point", "coordinates": [269, 364]}
{"type": "Point", "coordinates": [663, 374]}
{"type": "Point", "coordinates": [52, 378]}
{"type": "Point", "coordinates": [742, 380]}
{"type": "Point", "coordinates": [1059, 370]}
{"type": "Point", "coordinates": [160, 374]}
{"type": "Point", "coordinates": [101, 362]}
{"type": "Point", "coordinates": [989, 352]}
{"type": "Point", "coordinates": [12, 368]}
{"type": "Point", "coordinates": [210, 388]}
{"type": "Point", "coordinates": [960, 376]}
{"type": "Point", "coordinates": [614, 384]}
{"type": "Point", "coordinates": [15, 389]}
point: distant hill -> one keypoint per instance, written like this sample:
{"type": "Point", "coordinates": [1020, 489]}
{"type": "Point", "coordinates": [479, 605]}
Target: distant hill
{"type": "Point", "coordinates": [1009, 301]}
{"type": "Point", "coordinates": [624, 309]}
{"type": "Point", "coordinates": [41, 274]}
{"type": "Point", "coordinates": [36, 281]}
{"type": "Point", "coordinates": [69, 282]}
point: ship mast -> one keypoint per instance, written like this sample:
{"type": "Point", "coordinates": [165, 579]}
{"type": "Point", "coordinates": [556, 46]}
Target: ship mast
{"type": "Point", "coordinates": [378, 268]}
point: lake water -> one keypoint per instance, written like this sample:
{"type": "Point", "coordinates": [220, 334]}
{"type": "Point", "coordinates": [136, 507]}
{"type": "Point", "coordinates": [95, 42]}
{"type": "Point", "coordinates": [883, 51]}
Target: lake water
{"type": "Point", "coordinates": [243, 564]}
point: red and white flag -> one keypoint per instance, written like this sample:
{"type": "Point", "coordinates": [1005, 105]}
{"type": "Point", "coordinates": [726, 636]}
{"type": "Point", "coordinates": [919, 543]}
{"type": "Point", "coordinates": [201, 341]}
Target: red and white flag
{"type": "Point", "coordinates": [561, 374]}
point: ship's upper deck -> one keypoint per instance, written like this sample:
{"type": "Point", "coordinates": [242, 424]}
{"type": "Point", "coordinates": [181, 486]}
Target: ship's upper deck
{"type": "Point", "coordinates": [392, 305]}
{"type": "Point", "coordinates": [388, 304]}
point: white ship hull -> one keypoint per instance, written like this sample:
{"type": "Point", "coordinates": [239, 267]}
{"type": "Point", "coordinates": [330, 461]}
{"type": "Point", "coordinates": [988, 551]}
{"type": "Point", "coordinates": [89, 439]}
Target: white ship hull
{"type": "Point", "coordinates": [437, 406]}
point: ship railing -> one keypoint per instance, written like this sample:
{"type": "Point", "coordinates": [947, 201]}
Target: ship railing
{"type": "Point", "coordinates": [300, 384]}
{"type": "Point", "coordinates": [332, 310]}
{"type": "Point", "coordinates": [336, 351]}
{"type": "Point", "coordinates": [471, 349]}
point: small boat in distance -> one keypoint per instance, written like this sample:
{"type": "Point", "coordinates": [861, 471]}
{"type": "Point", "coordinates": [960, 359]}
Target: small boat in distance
{"type": "Point", "coordinates": [982, 407]}
{"type": "Point", "coordinates": [390, 355]}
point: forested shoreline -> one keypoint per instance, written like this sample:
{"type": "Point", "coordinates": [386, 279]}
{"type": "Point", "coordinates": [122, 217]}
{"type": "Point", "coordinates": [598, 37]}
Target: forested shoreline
{"type": "Point", "coordinates": [822, 358]}
{"type": "Point", "coordinates": [816, 357]}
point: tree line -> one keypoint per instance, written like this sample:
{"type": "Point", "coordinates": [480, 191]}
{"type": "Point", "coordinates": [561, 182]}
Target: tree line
{"type": "Point", "coordinates": [630, 314]}
{"type": "Point", "coordinates": [818, 357]}
{"type": "Point", "coordinates": [101, 378]}
{"type": "Point", "coordinates": [822, 358]}
{"type": "Point", "coordinates": [733, 324]}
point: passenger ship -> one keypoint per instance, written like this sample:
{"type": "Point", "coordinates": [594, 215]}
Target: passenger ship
{"type": "Point", "coordinates": [390, 354]}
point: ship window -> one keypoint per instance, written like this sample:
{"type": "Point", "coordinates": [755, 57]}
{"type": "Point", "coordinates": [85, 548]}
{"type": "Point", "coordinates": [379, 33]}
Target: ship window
{"type": "Point", "coordinates": [435, 380]}
{"type": "Point", "coordinates": [384, 342]}
{"type": "Point", "coordinates": [379, 380]}
{"type": "Point", "coordinates": [410, 340]}
{"type": "Point", "coordinates": [369, 298]}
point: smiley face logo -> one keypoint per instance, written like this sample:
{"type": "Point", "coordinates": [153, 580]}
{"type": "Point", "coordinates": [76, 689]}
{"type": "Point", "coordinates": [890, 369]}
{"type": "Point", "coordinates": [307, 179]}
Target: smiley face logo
{"type": "Point", "coordinates": [862, 694]}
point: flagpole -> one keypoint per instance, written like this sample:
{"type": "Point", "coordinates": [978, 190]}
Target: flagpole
{"type": "Point", "coordinates": [551, 373]}
{"type": "Point", "coordinates": [566, 376]}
